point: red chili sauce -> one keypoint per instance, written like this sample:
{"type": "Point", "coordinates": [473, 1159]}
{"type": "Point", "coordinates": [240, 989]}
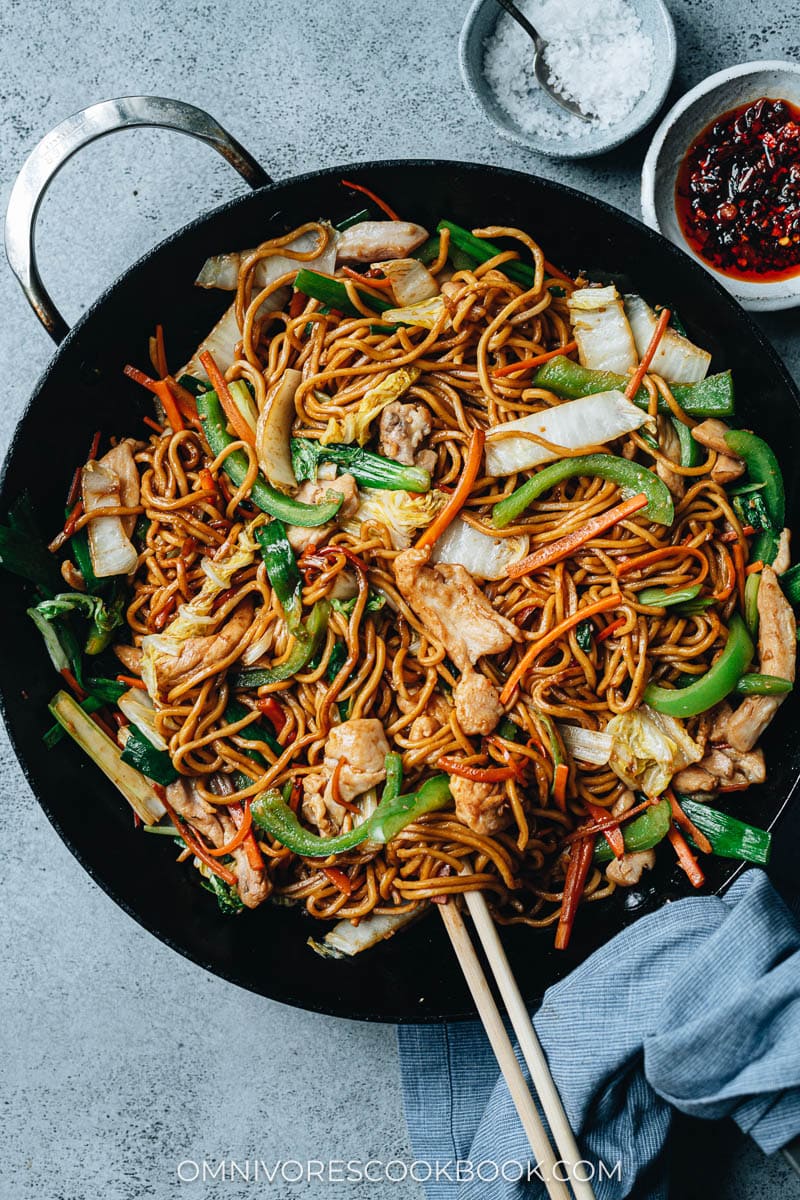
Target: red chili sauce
{"type": "Point", "coordinates": [738, 191]}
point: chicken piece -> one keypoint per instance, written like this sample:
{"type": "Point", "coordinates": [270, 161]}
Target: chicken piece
{"type": "Point", "coordinates": [363, 746]}
{"type": "Point", "coordinates": [477, 702]}
{"type": "Point", "coordinates": [403, 427]}
{"type": "Point", "coordinates": [130, 657]}
{"type": "Point", "coordinates": [435, 716]}
{"type": "Point", "coordinates": [783, 559]}
{"type": "Point", "coordinates": [726, 469]}
{"type": "Point", "coordinates": [201, 656]}
{"type": "Point", "coordinates": [111, 550]}
{"type": "Point", "coordinates": [216, 826]}
{"type": "Point", "coordinates": [711, 434]}
{"type": "Point", "coordinates": [371, 241]}
{"type": "Point", "coordinates": [120, 460]}
{"type": "Point", "coordinates": [777, 652]}
{"type": "Point", "coordinates": [627, 871]}
{"type": "Point", "coordinates": [722, 767]}
{"type": "Point", "coordinates": [670, 446]}
{"type": "Point", "coordinates": [453, 608]}
{"type": "Point", "coordinates": [481, 806]}
{"type": "Point", "coordinates": [300, 537]}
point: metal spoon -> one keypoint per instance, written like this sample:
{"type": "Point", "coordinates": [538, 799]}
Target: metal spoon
{"type": "Point", "coordinates": [539, 62]}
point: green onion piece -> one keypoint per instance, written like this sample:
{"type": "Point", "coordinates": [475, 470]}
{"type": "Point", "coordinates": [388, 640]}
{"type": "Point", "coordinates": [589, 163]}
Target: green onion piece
{"type": "Point", "coordinates": [642, 833]}
{"type": "Point", "coordinates": [711, 397]}
{"type": "Point", "coordinates": [790, 582]}
{"type": "Point", "coordinates": [428, 252]}
{"type": "Point", "coordinates": [480, 251]}
{"type": "Point", "coordinates": [763, 685]}
{"type": "Point", "coordinates": [263, 495]}
{"type": "Point", "coordinates": [195, 386]}
{"type": "Point", "coordinates": [363, 214]}
{"type": "Point", "coordinates": [509, 730]}
{"type": "Point", "coordinates": [630, 477]}
{"type": "Point", "coordinates": [708, 689]}
{"type": "Point", "coordinates": [729, 837]}
{"type": "Point", "coordinates": [661, 597]}
{"type": "Point", "coordinates": [334, 293]}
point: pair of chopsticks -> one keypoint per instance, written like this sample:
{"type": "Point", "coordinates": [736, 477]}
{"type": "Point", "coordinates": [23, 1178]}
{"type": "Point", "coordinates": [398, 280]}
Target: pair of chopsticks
{"type": "Point", "coordinates": [545, 1156]}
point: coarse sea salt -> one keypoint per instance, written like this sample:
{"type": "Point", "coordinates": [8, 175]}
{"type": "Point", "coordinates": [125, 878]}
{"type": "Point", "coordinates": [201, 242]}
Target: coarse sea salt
{"type": "Point", "coordinates": [597, 55]}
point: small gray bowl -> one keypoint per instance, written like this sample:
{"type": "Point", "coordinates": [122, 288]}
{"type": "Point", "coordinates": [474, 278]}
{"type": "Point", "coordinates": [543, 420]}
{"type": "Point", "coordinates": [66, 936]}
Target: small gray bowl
{"type": "Point", "coordinates": [717, 94]}
{"type": "Point", "coordinates": [479, 24]}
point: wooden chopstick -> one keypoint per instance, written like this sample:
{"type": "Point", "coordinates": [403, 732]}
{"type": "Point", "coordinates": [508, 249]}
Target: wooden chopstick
{"type": "Point", "coordinates": [504, 1052]}
{"type": "Point", "coordinates": [530, 1045]}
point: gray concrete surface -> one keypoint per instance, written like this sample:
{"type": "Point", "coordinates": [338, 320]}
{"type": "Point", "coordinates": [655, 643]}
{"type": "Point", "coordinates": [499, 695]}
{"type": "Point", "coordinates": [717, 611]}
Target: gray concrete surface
{"type": "Point", "coordinates": [116, 1053]}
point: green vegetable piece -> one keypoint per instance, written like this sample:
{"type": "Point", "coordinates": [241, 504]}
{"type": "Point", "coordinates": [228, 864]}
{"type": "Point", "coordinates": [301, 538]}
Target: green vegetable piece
{"type": "Point", "coordinates": [307, 640]}
{"type": "Point", "coordinates": [363, 214]}
{"type": "Point", "coordinates": [718, 681]}
{"type": "Point", "coordinates": [690, 449]}
{"type": "Point", "coordinates": [56, 732]}
{"type": "Point", "coordinates": [271, 814]}
{"type": "Point", "coordinates": [630, 477]}
{"type": "Point", "coordinates": [282, 569]}
{"type": "Point", "coordinates": [790, 582]}
{"type": "Point", "coordinates": [751, 510]}
{"type": "Point", "coordinates": [480, 250]}
{"type": "Point", "coordinates": [711, 397]}
{"type": "Point", "coordinates": [375, 602]}
{"type": "Point", "coordinates": [692, 607]}
{"type": "Point", "coordinates": [428, 252]}
{"type": "Point", "coordinates": [763, 685]}
{"type": "Point", "coordinates": [228, 899]}
{"type": "Point", "coordinates": [106, 690]}
{"type": "Point", "coordinates": [509, 730]}
{"type": "Point", "coordinates": [584, 635]}
{"type": "Point", "coordinates": [334, 293]}
{"type": "Point", "coordinates": [762, 467]}
{"type": "Point", "coordinates": [263, 495]}
{"type": "Point", "coordinates": [256, 732]}
{"type": "Point", "coordinates": [660, 597]}
{"type": "Point", "coordinates": [368, 469]}
{"type": "Point", "coordinates": [79, 548]}
{"type": "Point", "coordinates": [103, 618]}
{"type": "Point", "coordinates": [195, 386]}
{"type": "Point", "coordinates": [729, 837]}
{"type": "Point", "coordinates": [642, 833]}
{"type": "Point", "coordinates": [751, 586]}
{"type": "Point", "coordinates": [139, 752]}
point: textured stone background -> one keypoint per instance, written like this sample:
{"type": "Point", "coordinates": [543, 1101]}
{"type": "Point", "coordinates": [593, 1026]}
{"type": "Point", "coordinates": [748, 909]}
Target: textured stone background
{"type": "Point", "coordinates": [116, 1053]}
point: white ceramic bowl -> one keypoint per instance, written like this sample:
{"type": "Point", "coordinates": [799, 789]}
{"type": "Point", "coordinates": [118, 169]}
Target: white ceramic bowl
{"type": "Point", "coordinates": [479, 24]}
{"type": "Point", "coordinates": [718, 94]}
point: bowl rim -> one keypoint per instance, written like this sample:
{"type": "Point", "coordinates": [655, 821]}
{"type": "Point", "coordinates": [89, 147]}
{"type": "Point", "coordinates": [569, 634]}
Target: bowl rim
{"type": "Point", "coordinates": [773, 300]}
{"type": "Point", "coordinates": [647, 107]}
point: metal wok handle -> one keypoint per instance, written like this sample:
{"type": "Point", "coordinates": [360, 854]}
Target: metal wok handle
{"type": "Point", "coordinates": [46, 160]}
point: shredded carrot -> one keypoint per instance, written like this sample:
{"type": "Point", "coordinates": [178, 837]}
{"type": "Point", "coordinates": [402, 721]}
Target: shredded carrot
{"type": "Point", "coordinates": [460, 496]}
{"type": "Point", "coordinates": [613, 834]}
{"type": "Point", "coordinates": [183, 398]}
{"type": "Point", "coordinates": [139, 377]}
{"type": "Point", "coordinates": [571, 542]}
{"type": "Point", "coordinates": [754, 567]}
{"type": "Point", "coordinates": [382, 284]}
{"type": "Point", "coordinates": [72, 519]}
{"type": "Point", "coordinates": [686, 823]}
{"type": "Point", "coordinates": [164, 393]}
{"type": "Point", "coordinates": [738, 560]}
{"type": "Point", "coordinates": [238, 423]}
{"type": "Point", "coordinates": [238, 838]}
{"type": "Point", "coordinates": [153, 424]}
{"type": "Point", "coordinates": [535, 648]}
{"type": "Point", "coordinates": [607, 822]}
{"type": "Point", "coordinates": [336, 791]}
{"type": "Point", "coordinates": [338, 879]}
{"type": "Point", "coordinates": [653, 556]}
{"type": "Point", "coordinates": [161, 353]}
{"type": "Point", "coordinates": [580, 860]}
{"type": "Point", "coordinates": [686, 859]}
{"type": "Point", "coordinates": [133, 681]}
{"type": "Point", "coordinates": [382, 205]}
{"type": "Point", "coordinates": [193, 843]}
{"type": "Point", "coordinates": [74, 488]}
{"type": "Point", "coordinates": [454, 766]}
{"type": "Point", "coordinates": [649, 354]}
{"type": "Point", "coordinates": [732, 536]}
{"type": "Point", "coordinates": [527, 363]}
{"type": "Point", "coordinates": [70, 679]}
{"type": "Point", "coordinates": [269, 706]}
{"type": "Point", "coordinates": [95, 446]}
{"type": "Point", "coordinates": [560, 777]}
{"type": "Point", "coordinates": [612, 627]}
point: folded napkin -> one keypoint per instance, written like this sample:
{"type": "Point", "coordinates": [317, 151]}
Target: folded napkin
{"type": "Point", "coordinates": [695, 1007]}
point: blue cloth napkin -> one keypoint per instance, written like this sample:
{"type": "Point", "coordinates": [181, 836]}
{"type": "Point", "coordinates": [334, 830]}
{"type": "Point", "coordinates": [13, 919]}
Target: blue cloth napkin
{"type": "Point", "coordinates": [695, 1007]}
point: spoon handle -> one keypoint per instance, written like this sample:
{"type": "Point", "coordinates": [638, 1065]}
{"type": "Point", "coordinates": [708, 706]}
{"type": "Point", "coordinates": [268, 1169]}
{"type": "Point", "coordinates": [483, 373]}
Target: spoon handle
{"type": "Point", "coordinates": [521, 19]}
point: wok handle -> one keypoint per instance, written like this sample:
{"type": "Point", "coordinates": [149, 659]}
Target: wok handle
{"type": "Point", "coordinates": [57, 147]}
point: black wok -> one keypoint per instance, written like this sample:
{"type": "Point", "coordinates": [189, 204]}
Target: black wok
{"type": "Point", "coordinates": [413, 977]}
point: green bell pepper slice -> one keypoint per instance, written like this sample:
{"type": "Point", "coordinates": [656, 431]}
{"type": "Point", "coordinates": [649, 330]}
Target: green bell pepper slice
{"type": "Point", "coordinates": [282, 570]}
{"type": "Point", "coordinates": [271, 814]}
{"type": "Point", "coordinates": [630, 477]}
{"type": "Point", "coordinates": [718, 682]}
{"type": "Point", "coordinates": [642, 833]}
{"type": "Point", "coordinates": [711, 397]}
{"type": "Point", "coordinates": [751, 586]}
{"type": "Point", "coordinates": [308, 638]}
{"type": "Point", "coordinates": [263, 495]}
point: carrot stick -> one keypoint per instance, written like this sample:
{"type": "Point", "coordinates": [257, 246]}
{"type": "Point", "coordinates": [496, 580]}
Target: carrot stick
{"type": "Point", "coordinates": [738, 560]}
{"type": "Point", "coordinates": [161, 353]}
{"type": "Point", "coordinates": [580, 860]}
{"type": "Point", "coordinates": [382, 205]}
{"type": "Point", "coordinates": [183, 398]}
{"type": "Point", "coordinates": [70, 679]}
{"type": "Point", "coordinates": [654, 556]}
{"type": "Point", "coordinates": [238, 837]}
{"type": "Point", "coordinates": [479, 774]}
{"type": "Point", "coordinates": [149, 421]}
{"type": "Point", "coordinates": [754, 567]}
{"type": "Point", "coordinates": [535, 648]}
{"type": "Point", "coordinates": [612, 627]}
{"type": "Point", "coordinates": [238, 423]}
{"type": "Point", "coordinates": [338, 879]}
{"type": "Point", "coordinates": [685, 857]}
{"type": "Point", "coordinates": [613, 834]}
{"type": "Point", "coordinates": [571, 542]}
{"type": "Point", "coordinates": [527, 363]}
{"type": "Point", "coordinates": [649, 354]}
{"type": "Point", "coordinates": [139, 377]}
{"type": "Point", "coordinates": [133, 681]}
{"type": "Point", "coordinates": [560, 777]}
{"type": "Point", "coordinates": [680, 818]}
{"type": "Point", "coordinates": [160, 388]}
{"type": "Point", "coordinates": [460, 495]}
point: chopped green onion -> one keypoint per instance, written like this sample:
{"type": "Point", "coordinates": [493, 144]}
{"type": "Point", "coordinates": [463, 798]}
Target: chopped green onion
{"type": "Point", "coordinates": [729, 837]}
